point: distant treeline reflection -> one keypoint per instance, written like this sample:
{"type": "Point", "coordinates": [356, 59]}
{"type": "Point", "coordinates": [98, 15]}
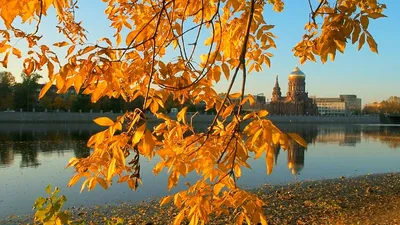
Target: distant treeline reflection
{"type": "Point", "coordinates": [28, 145]}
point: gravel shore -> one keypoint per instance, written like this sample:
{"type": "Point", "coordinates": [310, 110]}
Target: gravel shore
{"type": "Point", "coordinates": [369, 199]}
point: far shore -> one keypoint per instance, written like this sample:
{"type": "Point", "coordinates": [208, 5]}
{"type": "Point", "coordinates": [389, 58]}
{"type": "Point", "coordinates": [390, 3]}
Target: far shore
{"type": "Point", "coordinates": [76, 117]}
{"type": "Point", "coordinates": [368, 199]}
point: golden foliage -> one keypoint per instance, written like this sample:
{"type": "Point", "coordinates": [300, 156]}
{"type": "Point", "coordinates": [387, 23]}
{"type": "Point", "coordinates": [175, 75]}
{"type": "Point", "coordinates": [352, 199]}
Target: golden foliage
{"type": "Point", "coordinates": [343, 22]}
{"type": "Point", "coordinates": [134, 64]}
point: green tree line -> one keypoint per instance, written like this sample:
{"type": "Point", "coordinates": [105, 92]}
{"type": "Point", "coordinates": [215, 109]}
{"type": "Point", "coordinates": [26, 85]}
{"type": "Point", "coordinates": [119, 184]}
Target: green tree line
{"type": "Point", "coordinates": [24, 95]}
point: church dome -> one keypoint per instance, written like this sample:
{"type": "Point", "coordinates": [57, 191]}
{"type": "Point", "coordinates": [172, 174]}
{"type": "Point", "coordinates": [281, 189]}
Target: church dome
{"type": "Point", "coordinates": [297, 73]}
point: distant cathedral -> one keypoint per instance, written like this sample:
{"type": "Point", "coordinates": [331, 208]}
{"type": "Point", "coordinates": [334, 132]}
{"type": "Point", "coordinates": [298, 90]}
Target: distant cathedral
{"type": "Point", "coordinates": [296, 101]}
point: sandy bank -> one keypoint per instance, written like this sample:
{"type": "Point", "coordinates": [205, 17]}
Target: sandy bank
{"type": "Point", "coordinates": [370, 199]}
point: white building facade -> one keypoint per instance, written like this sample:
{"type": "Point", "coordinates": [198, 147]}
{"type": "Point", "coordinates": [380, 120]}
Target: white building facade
{"type": "Point", "coordinates": [331, 106]}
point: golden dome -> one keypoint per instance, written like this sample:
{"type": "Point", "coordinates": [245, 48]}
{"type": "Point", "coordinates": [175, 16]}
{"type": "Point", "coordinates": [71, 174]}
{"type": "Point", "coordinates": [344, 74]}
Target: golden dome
{"type": "Point", "coordinates": [297, 73]}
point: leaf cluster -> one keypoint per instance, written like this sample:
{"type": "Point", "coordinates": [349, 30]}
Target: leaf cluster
{"type": "Point", "coordinates": [334, 24]}
{"type": "Point", "coordinates": [48, 211]}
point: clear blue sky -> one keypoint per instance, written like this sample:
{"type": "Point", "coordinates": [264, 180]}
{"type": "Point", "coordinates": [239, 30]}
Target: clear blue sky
{"type": "Point", "coordinates": [366, 74]}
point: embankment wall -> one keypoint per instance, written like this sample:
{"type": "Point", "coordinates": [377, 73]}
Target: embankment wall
{"type": "Point", "coordinates": [64, 117]}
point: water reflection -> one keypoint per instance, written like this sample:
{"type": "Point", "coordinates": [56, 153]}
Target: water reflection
{"type": "Point", "coordinates": [385, 135]}
{"type": "Point", "coordinates": [29, 144]}
{"type": "Point", "coordinates": [34, 155]}
{"type": "Point", "coordinates": [343, 135]}
{"type": "Point", "coordinates": [38, 139]}
{"type": "Point", "coordinates": [295, 152]}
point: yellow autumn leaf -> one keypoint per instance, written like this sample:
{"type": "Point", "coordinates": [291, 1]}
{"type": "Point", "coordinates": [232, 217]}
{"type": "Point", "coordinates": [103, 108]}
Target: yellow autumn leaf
{"type": "Point", "coordinates": [118, 39]}
{"type": "Point", "coordinates": [70, 50]}
{"type": "Point", "coordinates": [92, 183]}
{"type": "Point", "coordinates": [340, 45]}
{"type": "Point", "coordinates": [84, 185]}
{"type": "Point", "coordinates": [376, 15]}
{"type": "Point", "coordinates": [225, 69]}
{"type": "Point", "coordinates": [102, 182]}
{"type": "Point", "coordinates": [74, 179]}
{"type": "Point", "coordinates": [29, 66]}
{"type": "Point", "coordinates": [263, 113]}
{"type": "Point", "coordinates": [298, 139]}
{"type": "Point", "coordinates": [364, 21]}
{"type": "Point", "coordinates": [217, 188]}
{"type": "Point", "coordinates": [228, 111]}
{"type": "Point", "coordinates": [148, 144]}
{"type": "Point", "coordinates": [239, 219]}
{"type": "Point", "coordinates": [106, 40]}
{"type": "Point", "coordinates": [4, 47]}
{"type": "Point", "coordinates": [263, 220]}
{"type": "Point", "coordinates": [181, 116]}
{"type": "Point", "coordinates": [238, 171]}
{"type": "Point", "coordinates": [204, 57]}
{"type": "Point", "coordinates": [276, 137]}
{"type": "Point", "coordinates": [45, 89]}
{"type": "Point", "coordinates": [72, 162]}
{"type": "Point", "coordinates": [16, 52]}
{"type": "Point", "coordinates": [356, 33]}
{"type": "Point", "coordinates": [216, 73]}
{"type": "Point", "coordinates": [111, 169]}
{"type": "Point", "coordinates": [235, 95]}
{"type": "Point", "coordinates": [165, 200]}
{"type": "Point", "coordinates": [61, 44]}
{"type": "Point", "coordinates": [4, 62]}
{"type": "Point", "coordinates": [138, 134]}
{"type": "Point", "coordinates": [178, 219]}
{"type": "Point", "coordinates": [86, 50]}
{"type": "Point", "coordinates": [130, 37]}
{"type": "Point", "coordinates": [104, 121]}
{"type": "Point", "coordinates": [372, 44]}
{"type": "Point", "coordinates": [361, 41]}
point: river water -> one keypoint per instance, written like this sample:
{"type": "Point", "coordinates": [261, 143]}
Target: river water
{"type": "Point", "coordinates": [34, 155]}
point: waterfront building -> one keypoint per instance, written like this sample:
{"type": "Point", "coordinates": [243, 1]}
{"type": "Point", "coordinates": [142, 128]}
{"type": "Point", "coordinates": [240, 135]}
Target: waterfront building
{"type": "Point", "coordinates": [344, 105]}
{"type": "Point", "coordinates": [296, 101]}
{"type": "Point", "coordinates": [353, 103]}
{"type": "Point", "coordinates": [331, 106]}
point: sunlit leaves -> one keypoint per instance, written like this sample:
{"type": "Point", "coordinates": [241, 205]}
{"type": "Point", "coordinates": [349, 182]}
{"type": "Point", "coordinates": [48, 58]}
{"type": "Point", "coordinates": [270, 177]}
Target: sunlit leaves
{"type": "Point", "coordinates": [138, 134]}
{"type": "Point", "coordinates": [61, 44]}
{"type": "Point", "coordinates": [226, 70]}
{"type": "Point", "coordinates": [346, 21]}
{"type": "Point", "coordinates": [104, 121]}
{"type": "Point", "coordinates": [372, 44]}
{"type": "Point", "coordinates": [147, 145]}
{"type": "Point", "coordinates": [361, 41]}
{"type": "Point", "coordinates": [111, 169]}
{"type": "Point", "coordinates": [298, 139]}
{"type": "Point", "coordinates": [49, 209]}
{"type": "Point", "coordinates": [102, 182]}
{"type": "Point", "coordinates": [16, 52]}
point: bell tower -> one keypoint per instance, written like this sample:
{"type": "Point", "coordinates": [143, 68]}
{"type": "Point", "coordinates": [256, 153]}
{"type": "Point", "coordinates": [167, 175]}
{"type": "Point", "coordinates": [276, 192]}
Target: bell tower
{"type": "Point", "coordinates": [276, 93]}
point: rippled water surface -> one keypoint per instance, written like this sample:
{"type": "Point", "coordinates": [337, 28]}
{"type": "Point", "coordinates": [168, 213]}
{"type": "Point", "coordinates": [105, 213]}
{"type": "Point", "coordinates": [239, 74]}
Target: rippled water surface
{"type": "Point", "coordinates": [34, 155]}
